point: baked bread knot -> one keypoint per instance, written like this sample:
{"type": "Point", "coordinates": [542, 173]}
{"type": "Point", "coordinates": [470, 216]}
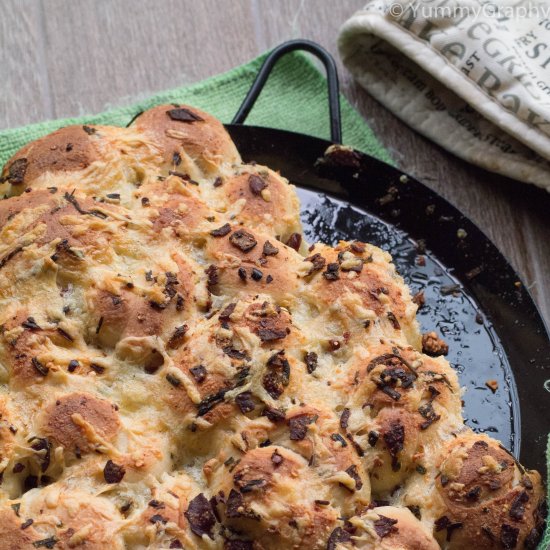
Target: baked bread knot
{"type": "Point", "coordinates": [190, 141]}
{"type": "Point", "coordinates": [402, 405]}
{"type": "Point", "coordinates": [179, 368]}
{"type": "Point", "coordinates": [386, 528]}
{"type": "Point", "coordinates": [485, 493]}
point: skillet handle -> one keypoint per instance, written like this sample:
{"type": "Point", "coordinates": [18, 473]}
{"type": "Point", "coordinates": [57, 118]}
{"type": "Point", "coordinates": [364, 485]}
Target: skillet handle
{"type": "Point", "coordinates": [266, 68]}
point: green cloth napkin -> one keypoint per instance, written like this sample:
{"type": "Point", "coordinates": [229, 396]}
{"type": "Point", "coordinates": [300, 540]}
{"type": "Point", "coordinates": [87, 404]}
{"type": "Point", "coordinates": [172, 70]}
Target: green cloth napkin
{"type": "Point", "coordinates": [294, 98]}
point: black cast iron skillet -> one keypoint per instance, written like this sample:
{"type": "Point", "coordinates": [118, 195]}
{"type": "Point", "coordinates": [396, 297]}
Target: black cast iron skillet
{"type": "Point", "coordinates": [473, 296]}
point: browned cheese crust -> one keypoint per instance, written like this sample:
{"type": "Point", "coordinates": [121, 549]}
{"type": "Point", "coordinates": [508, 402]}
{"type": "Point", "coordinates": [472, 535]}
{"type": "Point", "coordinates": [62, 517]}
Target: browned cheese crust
{"type": "Point", "coordinates": [180, 369]}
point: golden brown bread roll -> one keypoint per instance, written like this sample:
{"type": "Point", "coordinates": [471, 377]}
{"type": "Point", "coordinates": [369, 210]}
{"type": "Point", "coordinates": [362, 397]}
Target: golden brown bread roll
{"type": "Point", "coordinates": [179, 369]}
{"type": "Point", "coordinates": [386, 528]}
{"type": "Point", "coordinates": [485, 494]}
{"type": "Point", "coordinates": [190, 141]}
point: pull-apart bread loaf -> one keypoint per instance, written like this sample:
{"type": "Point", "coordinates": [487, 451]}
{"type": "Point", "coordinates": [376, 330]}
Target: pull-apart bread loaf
{"type": "Point", "coordinates": [179, 369]}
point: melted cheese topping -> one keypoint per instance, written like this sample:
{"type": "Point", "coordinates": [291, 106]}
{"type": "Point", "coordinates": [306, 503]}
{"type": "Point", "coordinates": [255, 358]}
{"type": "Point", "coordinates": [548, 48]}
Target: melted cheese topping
{"type": "Point", "coordinates": [173, 375]}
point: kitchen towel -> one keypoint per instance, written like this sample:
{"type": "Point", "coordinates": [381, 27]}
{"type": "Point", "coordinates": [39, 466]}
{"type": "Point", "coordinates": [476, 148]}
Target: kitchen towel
{"type": "Point", "coordinates": [472, 75]}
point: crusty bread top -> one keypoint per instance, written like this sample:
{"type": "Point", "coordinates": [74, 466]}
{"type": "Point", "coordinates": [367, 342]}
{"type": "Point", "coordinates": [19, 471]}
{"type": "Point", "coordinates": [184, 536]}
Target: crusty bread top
{"type": "Point", "coordinates": [179, 369]}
